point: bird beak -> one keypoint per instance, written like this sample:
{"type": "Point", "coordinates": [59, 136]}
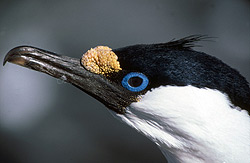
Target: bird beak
{"type": "Point", "coordinates": [70, 70]}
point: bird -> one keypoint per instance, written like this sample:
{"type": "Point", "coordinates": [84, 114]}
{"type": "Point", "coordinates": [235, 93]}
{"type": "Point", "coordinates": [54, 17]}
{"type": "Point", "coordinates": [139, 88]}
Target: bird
{"type": "Point", "coordinates": [193, 106]}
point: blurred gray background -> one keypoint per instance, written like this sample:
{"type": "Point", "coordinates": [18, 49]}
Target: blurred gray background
{"type": "Point", "coordinates": [44, 120]}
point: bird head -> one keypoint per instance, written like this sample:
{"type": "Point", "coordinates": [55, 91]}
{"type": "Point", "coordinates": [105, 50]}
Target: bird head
{"type": "Point", "coordinates": [167, 91]}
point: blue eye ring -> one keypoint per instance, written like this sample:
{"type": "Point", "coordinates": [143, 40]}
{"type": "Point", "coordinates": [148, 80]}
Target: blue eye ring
{"type": "Point", "coordinates": [143, 83]}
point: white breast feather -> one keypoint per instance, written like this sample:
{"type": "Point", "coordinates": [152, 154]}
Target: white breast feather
{"type": "Point", "coordinates": [190, 124]}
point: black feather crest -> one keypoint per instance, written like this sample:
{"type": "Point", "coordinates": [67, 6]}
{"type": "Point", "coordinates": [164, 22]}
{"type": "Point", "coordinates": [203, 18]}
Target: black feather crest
{"type": "Point", "coordinates": [188, 42]}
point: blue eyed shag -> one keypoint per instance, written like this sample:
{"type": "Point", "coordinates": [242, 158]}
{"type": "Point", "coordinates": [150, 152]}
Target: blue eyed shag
{"type": "Point", "coordinates": [192, 105]}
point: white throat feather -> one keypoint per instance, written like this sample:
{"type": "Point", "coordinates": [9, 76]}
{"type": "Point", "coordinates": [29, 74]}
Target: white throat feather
{"type": "Point", "coordinates": [192, 124]}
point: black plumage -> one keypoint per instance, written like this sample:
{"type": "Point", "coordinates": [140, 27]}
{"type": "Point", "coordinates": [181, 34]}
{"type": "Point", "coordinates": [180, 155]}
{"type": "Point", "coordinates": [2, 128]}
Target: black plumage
{"type": "Point", "coordinates": [176, 63]}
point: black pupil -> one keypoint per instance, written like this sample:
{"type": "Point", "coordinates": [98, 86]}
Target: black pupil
{"type": "Point", "coordinates": [135, 81]}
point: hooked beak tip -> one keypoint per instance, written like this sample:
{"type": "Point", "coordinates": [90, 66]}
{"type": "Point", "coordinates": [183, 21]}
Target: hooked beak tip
{"type": "Point", "coordinates": [6, 58]}
{"type": "Point", "coordinates": [14, 56]}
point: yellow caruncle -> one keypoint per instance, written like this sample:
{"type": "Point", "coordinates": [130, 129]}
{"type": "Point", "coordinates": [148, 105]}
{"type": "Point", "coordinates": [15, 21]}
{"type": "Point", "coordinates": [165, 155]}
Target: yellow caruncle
{"type": "Point", "coordinates": [101, 60]}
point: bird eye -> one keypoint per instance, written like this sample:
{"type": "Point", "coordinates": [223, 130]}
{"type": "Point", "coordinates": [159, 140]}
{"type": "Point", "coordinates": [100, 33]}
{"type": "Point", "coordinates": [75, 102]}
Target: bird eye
{"type": "Point", "coordinates": [135, 81]}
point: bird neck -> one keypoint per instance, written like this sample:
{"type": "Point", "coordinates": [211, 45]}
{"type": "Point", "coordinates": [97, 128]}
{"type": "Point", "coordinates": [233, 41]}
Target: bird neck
{"type": "Point", "coordinates": [192, 124]}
